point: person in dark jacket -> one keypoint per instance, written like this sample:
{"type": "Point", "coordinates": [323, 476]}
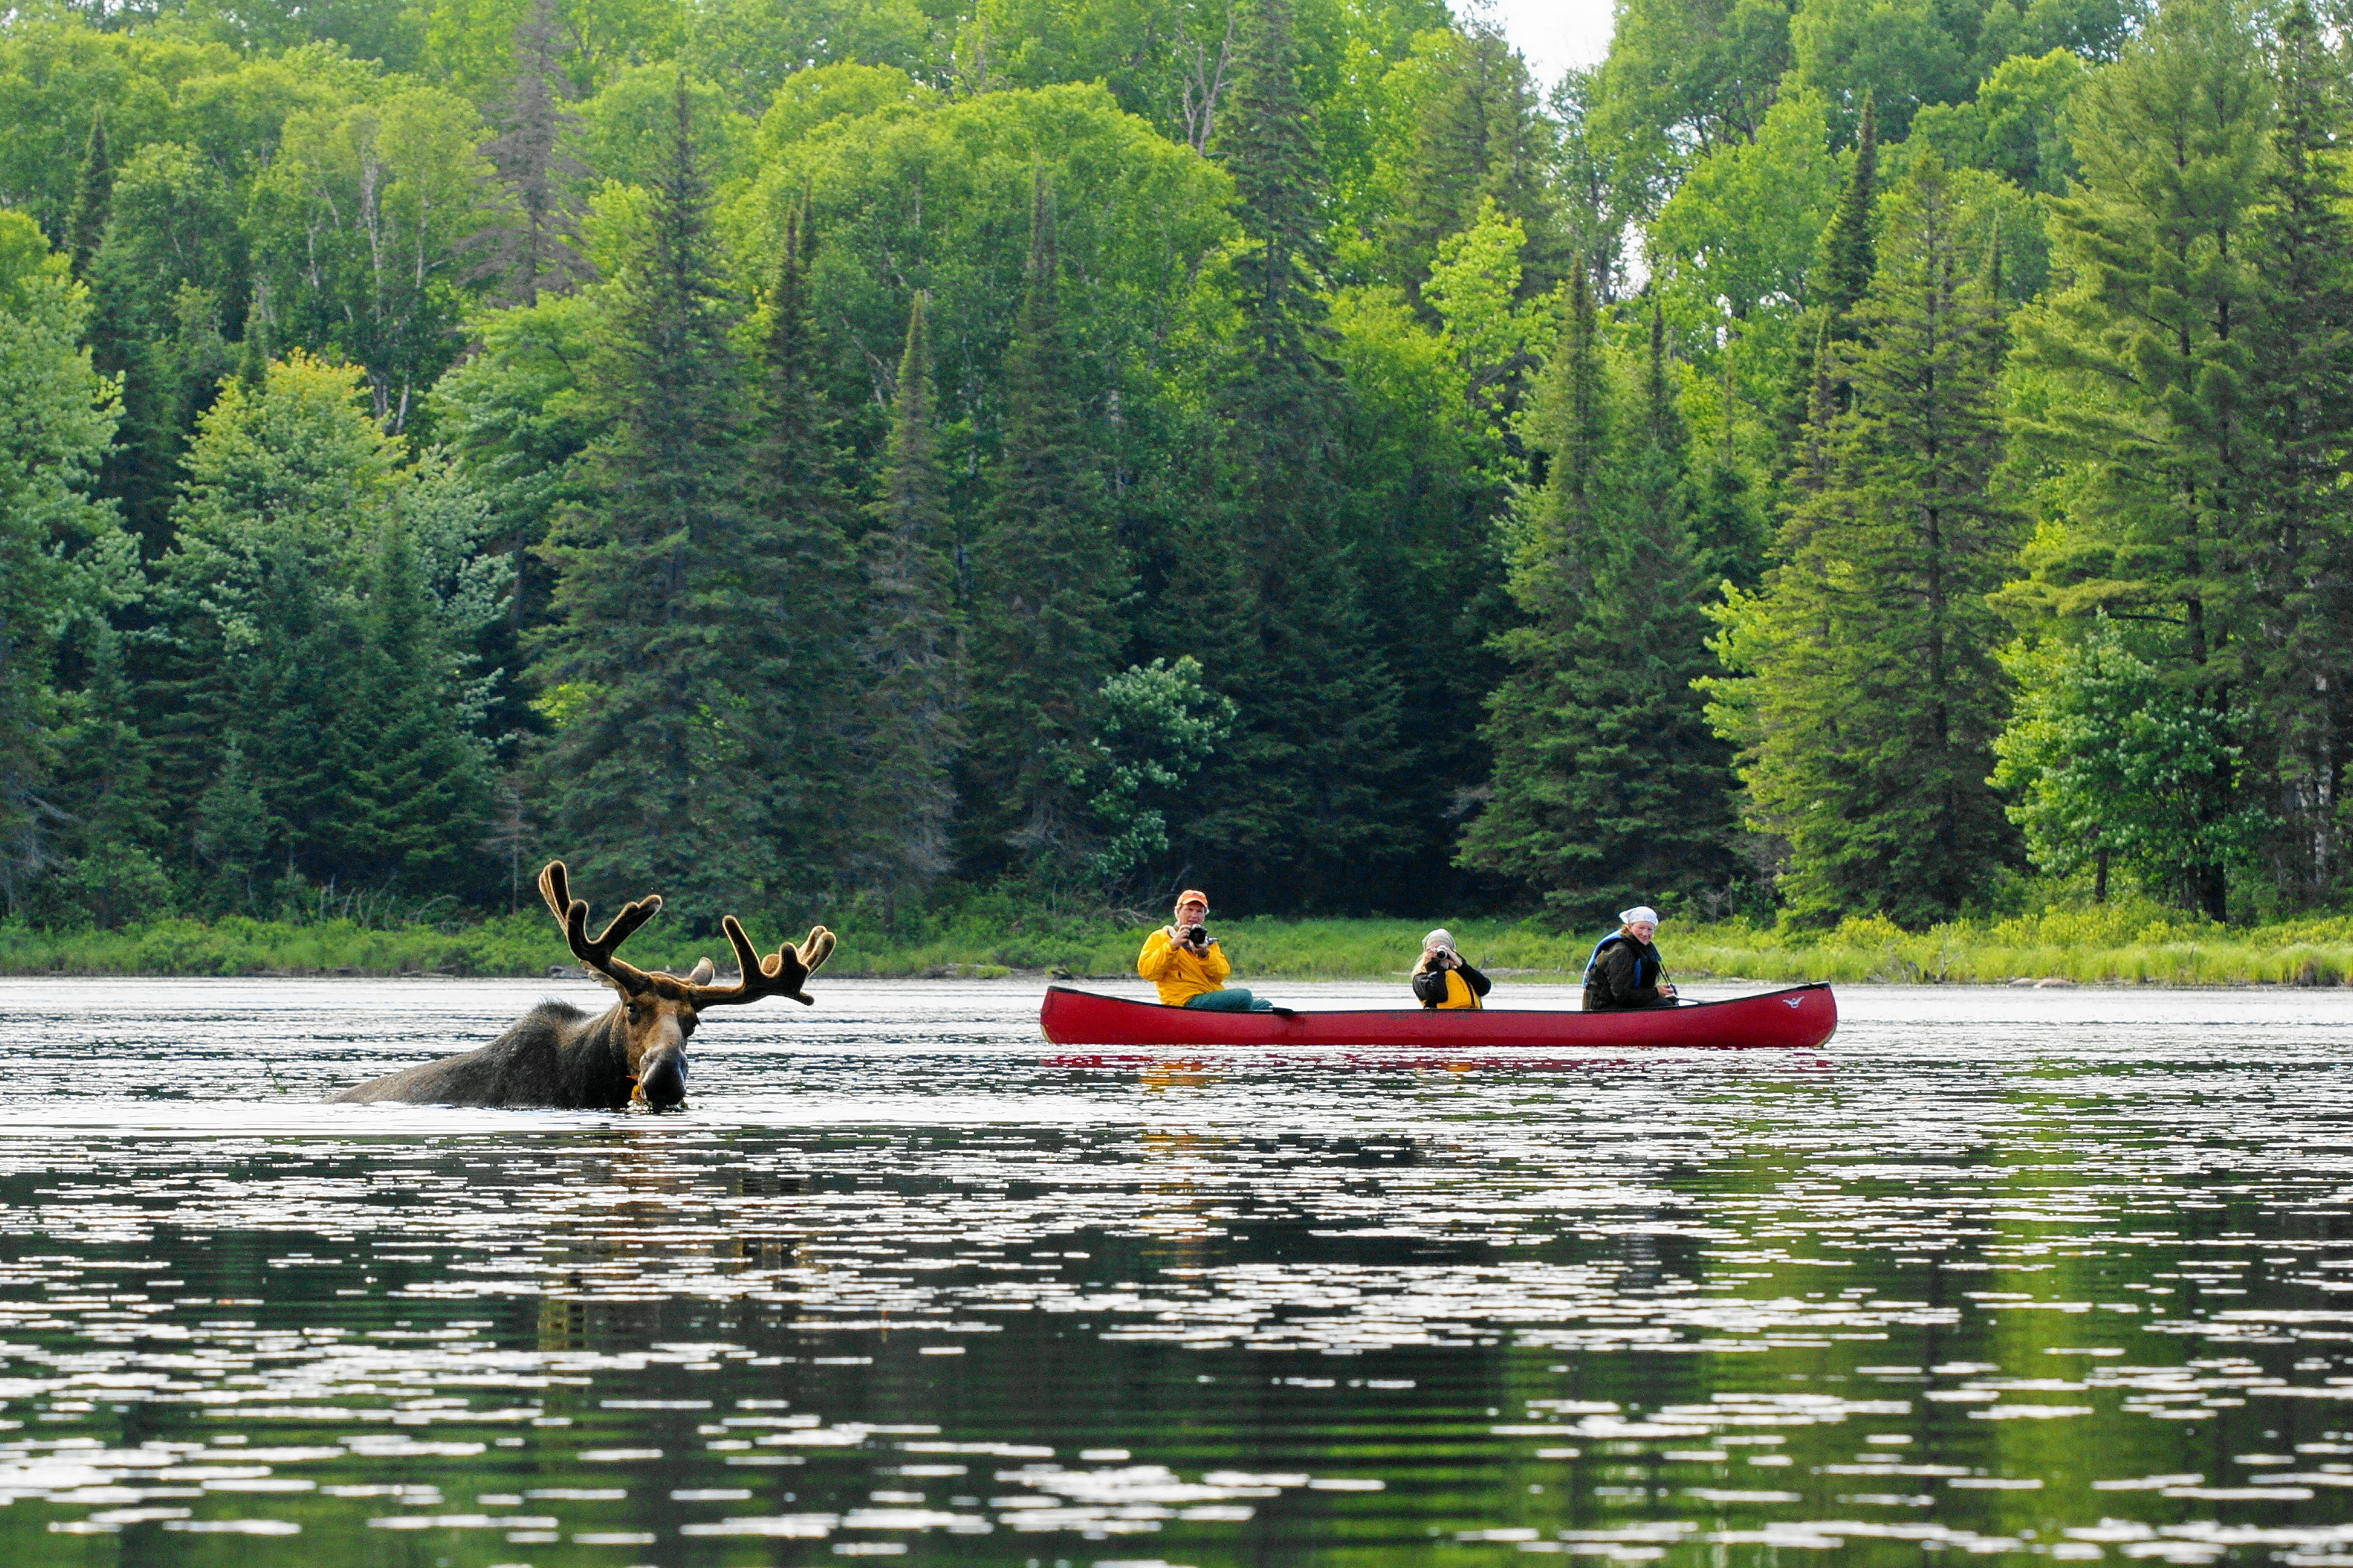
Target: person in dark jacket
{"type": "Point", "coordinates": [1625, 970]}
{"type": "Point", "coordinates": [1443, 981]}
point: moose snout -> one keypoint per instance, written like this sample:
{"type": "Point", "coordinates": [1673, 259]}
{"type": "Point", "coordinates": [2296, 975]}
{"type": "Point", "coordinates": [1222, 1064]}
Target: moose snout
{"type": "Point", "coordinates": [661, 1077]}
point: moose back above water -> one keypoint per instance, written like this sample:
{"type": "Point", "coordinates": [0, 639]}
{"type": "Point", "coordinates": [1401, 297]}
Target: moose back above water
{"type": "Point", "coordinates": [556, 1055]}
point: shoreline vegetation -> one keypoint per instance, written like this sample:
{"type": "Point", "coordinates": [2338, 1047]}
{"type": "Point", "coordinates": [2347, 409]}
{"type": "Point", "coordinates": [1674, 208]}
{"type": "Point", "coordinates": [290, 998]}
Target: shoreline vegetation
{"type": "Point", "coordinates": [2122, 943]}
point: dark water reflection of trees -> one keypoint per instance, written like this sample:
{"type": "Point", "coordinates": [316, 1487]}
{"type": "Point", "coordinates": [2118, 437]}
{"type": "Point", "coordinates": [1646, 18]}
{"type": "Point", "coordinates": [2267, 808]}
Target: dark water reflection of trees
{"type": "Point", "coordinates": [1996, 1274]}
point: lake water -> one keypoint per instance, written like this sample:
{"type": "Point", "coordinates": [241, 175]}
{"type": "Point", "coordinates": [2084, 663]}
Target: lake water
{"type": "Point", "coordinates": [2026, 1274]}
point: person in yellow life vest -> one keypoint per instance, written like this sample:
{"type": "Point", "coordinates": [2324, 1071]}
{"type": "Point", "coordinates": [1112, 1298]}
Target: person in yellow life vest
{"type": "Point", "coordinates": [1183, 960]}
{"type": "Point", "coordinates": [1443, 981]}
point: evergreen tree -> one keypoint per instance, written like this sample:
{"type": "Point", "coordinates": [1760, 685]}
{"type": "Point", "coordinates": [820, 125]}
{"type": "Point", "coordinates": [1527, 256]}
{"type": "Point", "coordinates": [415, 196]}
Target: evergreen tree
{"type": "Point", "coordinates": [1304, 809]}
{"type": "Point", "coordinates": [286, 480]}
{"type": "Point", "coordinates": [1479, 133]}
{"type": "Point", "coordinates": [651, 778]}
{"type": "Point", "coordinates": [539, 251]}
{"type": "Point", "coordinates": [104, 787]}
{"type": "Point", "coordinates": [93, 198]}
{"type": "Point", "coordinates": [289, 720]}
{"type": "Point", "coordinates": [803, 513]}
{"type": "Point", "coordinates": [58, 551]}
{"type": "Point", "coordinates": [418, 794]}
{"type": "Point", "coordinates": [2152, 351]}
{"type": "Point", "coordinates": [1610, 788]}
{"type": "Point", "coordinates": [1728, 530]}
{"type": "Point", "coordinates": [1046, 580]}
{"type": "Point", "coordinates": [1848, 257]}
{"type": "Point", "coordinates": [1845, 260]}
{"type": "Point", "coordinates": [232, 832]}
{"type": "Point", "coordinates": [1866, 697]}
{"type": "Point", "coordinates": [2303, 387]}
{"type": "Point", "coordinates": [167, 274]}
{"type": "Point", "coordinates": [912, 649]}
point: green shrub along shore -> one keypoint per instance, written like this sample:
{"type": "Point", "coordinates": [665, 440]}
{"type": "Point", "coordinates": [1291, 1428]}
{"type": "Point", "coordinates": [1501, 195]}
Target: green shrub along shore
{"type": "Point", "coordinates": [2123, 942]}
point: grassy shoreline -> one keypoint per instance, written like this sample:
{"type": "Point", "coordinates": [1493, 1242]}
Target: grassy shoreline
{"type": "Point", "coordinates": [2118, 943]}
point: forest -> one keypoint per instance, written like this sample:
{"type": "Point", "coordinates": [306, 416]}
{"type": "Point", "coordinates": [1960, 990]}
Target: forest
{"type": "Point", "coordinates": [1845, 458]}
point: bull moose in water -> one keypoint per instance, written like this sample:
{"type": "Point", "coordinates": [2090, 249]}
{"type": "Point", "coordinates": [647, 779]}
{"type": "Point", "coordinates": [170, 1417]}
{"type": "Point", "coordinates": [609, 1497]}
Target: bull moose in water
{"type": "Point", "coordinates": [558, 1056]}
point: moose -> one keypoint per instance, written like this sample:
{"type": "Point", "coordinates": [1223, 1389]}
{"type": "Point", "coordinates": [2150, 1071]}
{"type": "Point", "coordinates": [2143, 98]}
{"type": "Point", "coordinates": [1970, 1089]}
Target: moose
{"type": "Point", "coordinates": [557, 1057]}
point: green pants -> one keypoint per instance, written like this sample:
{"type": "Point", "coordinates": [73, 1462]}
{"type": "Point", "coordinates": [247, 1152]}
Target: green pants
{"type": "Point", "coordinates": [1232, 999]}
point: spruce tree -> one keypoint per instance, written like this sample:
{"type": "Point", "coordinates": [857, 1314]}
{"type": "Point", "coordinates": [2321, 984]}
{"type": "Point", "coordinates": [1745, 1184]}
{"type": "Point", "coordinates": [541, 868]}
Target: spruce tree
{"type": "Point", "coordinates": [2303, 388]}
{"type": "Point", "coordinates": [1866, 696]}
{"type": "Point", "coordinates": [1046, 579]}
{"type": "Point", "coordinates": [104, 786]}
{"type": "Point", "coordinates": [650, 780]}
{"type": "Point", "coordinates": [167, 272]}
{"type": "Point", "coordinates": [1848, 255]}
{"type": "Point", "coordinates": [1304, 807]}
{"type": "Point", "coordinates": [912, 649]}
{"type": "Point", "coordinates": [1479, 130]}
{"type": "Point", "coordinates": [1610, 788]}
{"type": "Point", "coordinates": [1845, 260]}
{"type": "Point", "coordinates": [802, 516]}
{"type": "Point", "coordinates": [2152, 351]}
{"type": "Point", "coordinates": [419, 790]}
{"type": "Point", "coordinates": [539, 251]}
{"type": "Point", "coordinates": [290, 719]}
{"type": "Point", "coordinates": [93, 200]}
{"type": "Point", "coordinates": [1728, 529]}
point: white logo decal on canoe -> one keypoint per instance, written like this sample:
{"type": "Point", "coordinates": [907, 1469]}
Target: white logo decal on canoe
{"type": "Point", "coordinates": [1794, 1001]}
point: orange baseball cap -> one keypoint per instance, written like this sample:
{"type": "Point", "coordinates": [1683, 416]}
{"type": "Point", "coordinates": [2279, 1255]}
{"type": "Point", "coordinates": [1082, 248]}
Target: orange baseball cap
{"type": "Point", "coordinates": [1193, 895]}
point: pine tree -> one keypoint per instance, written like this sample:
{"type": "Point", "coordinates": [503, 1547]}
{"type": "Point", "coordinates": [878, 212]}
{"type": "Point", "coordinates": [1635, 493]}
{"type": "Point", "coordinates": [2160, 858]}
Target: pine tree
{"type": "Point", "coordinates": [912, 651]}
{"type": "Point", "coordinates": [803, 514]}
{"type": "Point", "coordinates": [1046, 579]}
{"type": "Point", "coordinates": [93, 199]}
{"type": "Point", "coordinates": [2303, 387]}
{"type": "Point", "coordinates": [2152, 348]}
{"type": "Point", "coordinates": [1866, 694]}
{"type": "Point", "coordinates": [1610, 788]}
{"type": "Point", "coordinates": [1301, 811]}
{"type": "Point", "coordinates": [650, 781]}
{"type": "Point", "coordinates": [540, 250]}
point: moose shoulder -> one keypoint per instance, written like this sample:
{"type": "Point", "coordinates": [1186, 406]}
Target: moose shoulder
{"type": "Point", "coordinates": [557, 1057]}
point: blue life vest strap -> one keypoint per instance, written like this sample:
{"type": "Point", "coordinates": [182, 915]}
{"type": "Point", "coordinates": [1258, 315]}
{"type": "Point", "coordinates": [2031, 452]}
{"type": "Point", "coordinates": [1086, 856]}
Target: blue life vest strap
{"type": "Point", "coordinates": [1596, 955]}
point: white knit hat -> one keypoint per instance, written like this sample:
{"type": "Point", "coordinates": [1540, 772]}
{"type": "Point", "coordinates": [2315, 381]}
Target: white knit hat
{"type": "Point", "coordinates": [1441, 937]}
{"type": "Point", "coordinates": [1638, 915]}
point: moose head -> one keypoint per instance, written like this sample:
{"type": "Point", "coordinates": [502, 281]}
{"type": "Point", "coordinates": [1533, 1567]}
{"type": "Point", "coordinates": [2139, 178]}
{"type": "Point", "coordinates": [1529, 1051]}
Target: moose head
{"type": "Point", "coordinates": [658, 1012]}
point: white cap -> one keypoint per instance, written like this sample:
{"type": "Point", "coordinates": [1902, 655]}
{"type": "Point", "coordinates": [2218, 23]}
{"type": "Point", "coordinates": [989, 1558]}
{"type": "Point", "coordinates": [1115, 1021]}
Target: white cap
{"type": "Point", "coordinates": [1638, 915]}
{"type": "Point", "coordinates": [1441, 937]}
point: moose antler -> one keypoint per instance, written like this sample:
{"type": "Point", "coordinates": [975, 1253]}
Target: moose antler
{"type": "Point", "coordinates": [572, 914]}
{"type": "Point", "coordinates": [780, 974]}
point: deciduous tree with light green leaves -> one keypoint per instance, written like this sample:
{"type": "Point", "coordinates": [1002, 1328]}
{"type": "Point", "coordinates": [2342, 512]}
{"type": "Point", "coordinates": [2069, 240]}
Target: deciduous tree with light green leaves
{"type": "Point", "coordinates": [2111, 763]}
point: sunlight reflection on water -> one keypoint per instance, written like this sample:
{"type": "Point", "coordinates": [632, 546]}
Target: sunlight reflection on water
{"type": "Point", "coordinates": [2055, 1273]}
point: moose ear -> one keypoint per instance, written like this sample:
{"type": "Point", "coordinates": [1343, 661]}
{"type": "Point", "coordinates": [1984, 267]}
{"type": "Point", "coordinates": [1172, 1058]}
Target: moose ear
{"type": "Point", "coordinates": [702, 972]}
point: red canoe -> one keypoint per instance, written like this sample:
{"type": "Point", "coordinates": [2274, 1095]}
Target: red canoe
{"type": "Point", "coordinates": [1802, 1017]}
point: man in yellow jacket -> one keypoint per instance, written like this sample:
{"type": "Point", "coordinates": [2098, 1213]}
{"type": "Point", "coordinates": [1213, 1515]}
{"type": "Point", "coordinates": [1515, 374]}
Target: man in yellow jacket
{"type": "Point", "coordinates": [1183, 960]}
